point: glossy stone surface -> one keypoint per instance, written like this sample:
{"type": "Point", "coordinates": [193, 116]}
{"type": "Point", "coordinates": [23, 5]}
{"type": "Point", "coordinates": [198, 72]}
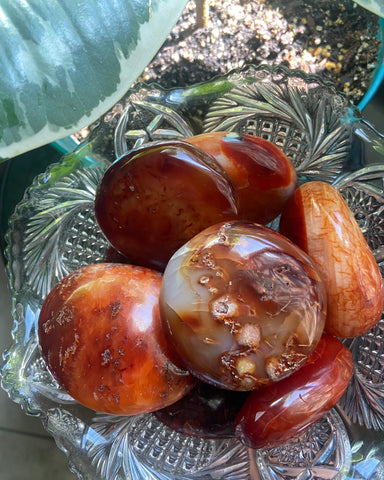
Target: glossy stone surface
{"type": "Point", "coordinates": [283, 410]}
{"type": "Point", "coordinates": [155, 198]}
{"type": "Point", "coordinates": [263, 175]}
{"type": "Point", "coordinates": [100, 333]}
{"type": "Point", "coordinates": [242, 305]}
{"type": "Point", "coordinates": [321, 223]}
{"type": "Point", "coordinates": [205, 412]}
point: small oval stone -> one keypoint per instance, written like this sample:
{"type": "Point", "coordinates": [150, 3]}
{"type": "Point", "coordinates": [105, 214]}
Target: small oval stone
{"type": "Point", "coordinates": [158, 196]}
{"type": "Point", "coordinates": [318, 220]}
{"type": "Point", "coordinates": [281, 411]}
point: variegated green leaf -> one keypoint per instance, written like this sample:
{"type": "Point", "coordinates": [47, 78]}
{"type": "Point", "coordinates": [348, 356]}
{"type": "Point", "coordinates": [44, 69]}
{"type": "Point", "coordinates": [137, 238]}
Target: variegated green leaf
{"type": "Point", "coordinates": [375, 6]}
{"type": "Point", "coordinates": [64, 63]}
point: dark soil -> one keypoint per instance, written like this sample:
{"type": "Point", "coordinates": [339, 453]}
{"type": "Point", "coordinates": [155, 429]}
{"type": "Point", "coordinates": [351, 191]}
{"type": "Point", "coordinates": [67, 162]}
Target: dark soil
{"type": "Point", "coordinates": [336, 39]}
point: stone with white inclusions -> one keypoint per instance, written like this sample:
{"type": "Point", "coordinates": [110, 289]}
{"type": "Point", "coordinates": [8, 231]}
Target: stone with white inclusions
{"type": "Point", "coordinates": [242, 305]}
{"type": "Point", "coordinates": [100, 334]}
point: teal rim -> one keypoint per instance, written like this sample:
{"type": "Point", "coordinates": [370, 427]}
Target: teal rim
{"type": "Point", "coordinates": [378, 75]}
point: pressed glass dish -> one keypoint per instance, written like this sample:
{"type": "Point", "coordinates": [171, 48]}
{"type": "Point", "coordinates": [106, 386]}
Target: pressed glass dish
{"type": "Point", "coordinates": [53, 231]}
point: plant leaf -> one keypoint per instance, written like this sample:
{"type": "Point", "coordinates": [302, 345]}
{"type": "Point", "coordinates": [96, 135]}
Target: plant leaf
{"type": "Point", "coordinates": [374, 6]}
{"type": "Point", "coordinates": [63, 63]}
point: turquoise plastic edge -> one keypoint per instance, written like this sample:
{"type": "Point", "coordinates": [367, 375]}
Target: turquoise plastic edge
{"type": "Point", "coordinates": [378, 76]}
{"type": "Point", "coordinates": [65, 145]}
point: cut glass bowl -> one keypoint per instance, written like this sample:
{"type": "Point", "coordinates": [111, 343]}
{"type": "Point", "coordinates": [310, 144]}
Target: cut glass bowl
{"type": "Point", "coordinates": [53, 232]}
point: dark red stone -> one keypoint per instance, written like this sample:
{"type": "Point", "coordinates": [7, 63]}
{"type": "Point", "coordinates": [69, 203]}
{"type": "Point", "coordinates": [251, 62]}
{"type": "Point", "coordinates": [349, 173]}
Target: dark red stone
{"type": "Point", "coordinates": [281, 411]}
{"type": "Point", "coordinates": [157, 197]}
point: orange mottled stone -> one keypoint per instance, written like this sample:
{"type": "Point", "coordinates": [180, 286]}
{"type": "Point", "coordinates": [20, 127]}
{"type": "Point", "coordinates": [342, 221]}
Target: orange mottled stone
{"type": "Point", "coordinates": [318, 220]}
{"type": "Point", "coordinates": [100, 334]}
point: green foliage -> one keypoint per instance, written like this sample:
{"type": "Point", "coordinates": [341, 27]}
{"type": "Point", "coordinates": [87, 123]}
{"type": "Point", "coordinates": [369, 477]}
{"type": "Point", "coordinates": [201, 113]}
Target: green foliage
{"type": "Point", "coordinates": [64, 63]}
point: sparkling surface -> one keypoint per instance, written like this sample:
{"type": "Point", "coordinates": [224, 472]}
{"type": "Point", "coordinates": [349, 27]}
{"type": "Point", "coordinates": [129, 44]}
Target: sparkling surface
{"type": "Point", "coordinates": [242, 305]}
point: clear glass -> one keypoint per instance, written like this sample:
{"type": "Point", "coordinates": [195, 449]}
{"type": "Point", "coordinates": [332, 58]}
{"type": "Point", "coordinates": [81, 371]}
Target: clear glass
{"type": "Point", "coordinates": [53, 231]}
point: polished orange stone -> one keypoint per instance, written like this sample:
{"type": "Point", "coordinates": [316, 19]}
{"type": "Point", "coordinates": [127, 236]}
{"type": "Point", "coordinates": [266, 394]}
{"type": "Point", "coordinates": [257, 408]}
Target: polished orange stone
{"type": "Point", "coordinates": [156, 197]}
{"type": "Point", "coordinates": [318, 220]}
{"type": "Point", "coordinates": [100, 334]}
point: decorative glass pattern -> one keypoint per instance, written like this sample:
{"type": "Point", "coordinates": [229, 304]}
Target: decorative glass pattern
{"type": "Point", "coordinates": [53, 231]}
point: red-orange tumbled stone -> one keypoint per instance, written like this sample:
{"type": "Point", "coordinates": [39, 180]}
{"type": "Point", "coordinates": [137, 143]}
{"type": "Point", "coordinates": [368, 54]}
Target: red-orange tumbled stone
{"type": "Point", "coordinates": [263, 175]}
{"type": "Point", "coordinates": [318, 220]}
{"type": "Point", "coordinates": [274, 415]}
{"type": "Point", "coordinates": [100, 333]}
